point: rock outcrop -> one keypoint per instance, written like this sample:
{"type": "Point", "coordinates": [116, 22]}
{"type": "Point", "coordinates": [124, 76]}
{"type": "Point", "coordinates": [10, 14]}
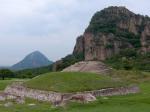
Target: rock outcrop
{"type": "Point", "coordinates": [112, 30]}
{"type": "Point", "coordinates": [88, 66]}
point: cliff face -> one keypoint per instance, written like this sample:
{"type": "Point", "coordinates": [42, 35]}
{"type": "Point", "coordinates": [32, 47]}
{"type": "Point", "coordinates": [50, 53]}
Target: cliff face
{"type": "Point", "coordinates": [112, 30]}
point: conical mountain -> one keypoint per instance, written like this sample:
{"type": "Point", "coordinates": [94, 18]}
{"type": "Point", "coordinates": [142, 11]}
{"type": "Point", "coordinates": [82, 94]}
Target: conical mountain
{"type": "Point", "coordinates": [33, 60]}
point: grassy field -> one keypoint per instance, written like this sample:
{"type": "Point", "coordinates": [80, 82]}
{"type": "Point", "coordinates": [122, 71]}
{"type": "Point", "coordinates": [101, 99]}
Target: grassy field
{"type": "Point", "coordinates": [131, 103]}
{"type": "Point", "coordinates": [72, 82]}
{"type": "Point", "coordinates": [139, 102]}
{"type": "Point", "coordinates": [5, 83]}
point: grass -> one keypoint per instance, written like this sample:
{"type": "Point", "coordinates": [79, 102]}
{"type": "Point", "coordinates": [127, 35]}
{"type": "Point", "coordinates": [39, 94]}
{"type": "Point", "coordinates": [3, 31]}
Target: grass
{"type": "Point", "coordinates": [72, 82]}
{"type": "Point", "coordinates": [139, 102]}
{"type": "Point", "coordinates": [5, 83]}
{"type": "Point", "coordinates": [130, 76]}
{"type": "Point", "coordinates": [131, 103]}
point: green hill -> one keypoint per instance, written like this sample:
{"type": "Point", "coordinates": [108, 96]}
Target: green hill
{"type": "Point", "coordinates": [72, 82]}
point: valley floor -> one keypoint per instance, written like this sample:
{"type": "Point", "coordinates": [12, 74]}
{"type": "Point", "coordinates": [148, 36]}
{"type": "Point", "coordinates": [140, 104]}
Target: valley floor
{"type": "Point", "coordinates": [131, 103]}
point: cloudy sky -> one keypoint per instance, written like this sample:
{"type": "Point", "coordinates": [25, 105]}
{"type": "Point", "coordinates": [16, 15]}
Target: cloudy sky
{"type": "Point", "coordinates": [50, 26]}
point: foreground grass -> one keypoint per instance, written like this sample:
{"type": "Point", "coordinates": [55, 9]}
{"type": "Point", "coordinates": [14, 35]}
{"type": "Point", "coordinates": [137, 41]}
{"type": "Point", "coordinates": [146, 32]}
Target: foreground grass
{"type": "Point", "coordinates": [130, 76]}
{"type": "Point", "coordinates": [131, 103]}
{"type": "Point", "coordinates": [72, 82]}
{"type": "Point", "coordinates": [5, 83]}
{"type": "Point", "coordinates": [139, 102]}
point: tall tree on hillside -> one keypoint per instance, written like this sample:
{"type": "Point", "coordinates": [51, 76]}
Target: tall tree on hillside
{"type": "Point", "coordinates": [6, 73]}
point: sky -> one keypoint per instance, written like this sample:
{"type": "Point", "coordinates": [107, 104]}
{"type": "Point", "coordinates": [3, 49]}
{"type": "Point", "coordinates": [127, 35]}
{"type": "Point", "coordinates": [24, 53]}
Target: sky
{"type": "Point", "coordinates": [50, 26]}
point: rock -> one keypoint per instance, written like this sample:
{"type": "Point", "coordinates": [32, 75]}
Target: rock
{"type": "Point", "coordinates": [88, 66]}
{"type": "Point", "coordinates": [2, 96]}
{"type": "Point", "coordinates": [8, 104]}
{"type": "Point", "coordinates": [6, 96]}
{"type": "Point", "coordinates": [32, 104]}
{"type": "Point", "coordinates": [10, 97]}
{"type": "Point", "coordinates": [83, 97]}
{"type": "Point", "coordinates": [79, 47]}
{"type": "Point", "coordinates": [112, 30]}
{"type": "Point", "coordinates": [61, 99]}
{"type": "Point", "coordinates": [145, 39]}
{"type": "Point", "coordinates": [105, 98]}
{"type": "Point", "coordinates": [55, 65]}
{"type": "Point", "coordinates": [20, 100]}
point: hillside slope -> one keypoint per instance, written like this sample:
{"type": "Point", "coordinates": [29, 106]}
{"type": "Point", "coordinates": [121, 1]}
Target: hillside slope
{"type": "Point", "coordinates": [72, 82]}
{"type": "Point", "coordinates": [33, 60]}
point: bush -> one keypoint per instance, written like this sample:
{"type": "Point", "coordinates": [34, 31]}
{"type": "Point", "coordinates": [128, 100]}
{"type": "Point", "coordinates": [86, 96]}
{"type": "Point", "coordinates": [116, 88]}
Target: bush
{"type": "Point", "coordinates": [128, 60]}
{"type": "Point", "coordinates": [70, 60]}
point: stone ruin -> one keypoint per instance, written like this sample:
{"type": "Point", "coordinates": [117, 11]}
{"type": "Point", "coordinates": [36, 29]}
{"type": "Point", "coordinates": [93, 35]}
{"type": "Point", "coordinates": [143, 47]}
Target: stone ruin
{"type": "Point", "coordinates": [18, 93]}
{"type": "Point", "coordinates": [9, 97]}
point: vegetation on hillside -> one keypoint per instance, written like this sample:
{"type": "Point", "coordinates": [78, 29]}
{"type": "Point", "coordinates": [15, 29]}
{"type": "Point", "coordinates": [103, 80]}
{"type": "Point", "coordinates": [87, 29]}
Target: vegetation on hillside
{"type": "Point", "coordinates": [129, 59]}
{"type": "Point", "coordinates": [69, 60]}
{"type": "Point", "coordinates": [6, 82]}
{"type": "Point", "coordinates": [131, 76]}
{"type": "Point", "coordinates": [6, 73]}
{"type": "Point", "coordinates": [30, 73]}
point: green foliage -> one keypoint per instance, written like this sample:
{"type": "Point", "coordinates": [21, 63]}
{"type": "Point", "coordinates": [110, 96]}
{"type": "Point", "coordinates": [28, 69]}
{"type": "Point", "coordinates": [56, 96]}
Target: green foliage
{"type": "Point", "coordinates": [131, 76]}
{"type": "Point", "coordinates": [72, 82]}
{"type": "Point", "coordinates": [8, 81]}
{"type": "Point", "coordinates": [129, 37]}
{"type": "Point", "coordinates": [30, 73]}
{"type": "Point", "coordinates": [105, 22]}
{"type": "Point", "coordinates": [109, 46]}
{"type": "Point", "coordinates": [4, 84]}
{"type": "Point", "coordinates": [128, 59]}
{"type": "Point", "coordinates": [128, 53]}
{"type": "Point", "coordinates": [6, 73]}
{"type": "Point", "coordinates": [69, 60]}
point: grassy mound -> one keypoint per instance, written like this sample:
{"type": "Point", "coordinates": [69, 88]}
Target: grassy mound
{"type": "Point", "coordinates": [72, 82]}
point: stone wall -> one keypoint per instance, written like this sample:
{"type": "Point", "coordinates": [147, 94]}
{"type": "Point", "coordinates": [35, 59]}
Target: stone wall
{"type": "Point", "coordinates": [19, 90]}
{"type": "Point", "coordinates": [22, 91]}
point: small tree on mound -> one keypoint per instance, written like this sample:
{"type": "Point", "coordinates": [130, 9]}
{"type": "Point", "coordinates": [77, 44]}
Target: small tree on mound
{"type": "Point", "coordinates": [6, 73]}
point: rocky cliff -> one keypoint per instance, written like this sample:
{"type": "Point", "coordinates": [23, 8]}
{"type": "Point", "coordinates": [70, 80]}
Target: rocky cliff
{"type": "Point", "coordinates": [112, 30]}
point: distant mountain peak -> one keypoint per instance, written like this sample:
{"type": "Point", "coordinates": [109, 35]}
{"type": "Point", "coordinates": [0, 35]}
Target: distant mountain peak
{"type": "Point", "coordinates": [33, 60]}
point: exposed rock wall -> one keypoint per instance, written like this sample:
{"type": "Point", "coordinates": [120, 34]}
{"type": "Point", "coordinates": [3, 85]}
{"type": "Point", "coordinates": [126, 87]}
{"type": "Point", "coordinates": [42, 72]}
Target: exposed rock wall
{"type": "Point", "coordinates": [79, 47]}
{"type": "Point", "coordinates": [102, 46]}
{"type": "Point", "coordinates": [145, 38]}
{"type": "Point", "coordinates": [110, 31]}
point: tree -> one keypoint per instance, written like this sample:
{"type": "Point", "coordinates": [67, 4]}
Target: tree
{"type": "Point", "coordinates": [6, 73]}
